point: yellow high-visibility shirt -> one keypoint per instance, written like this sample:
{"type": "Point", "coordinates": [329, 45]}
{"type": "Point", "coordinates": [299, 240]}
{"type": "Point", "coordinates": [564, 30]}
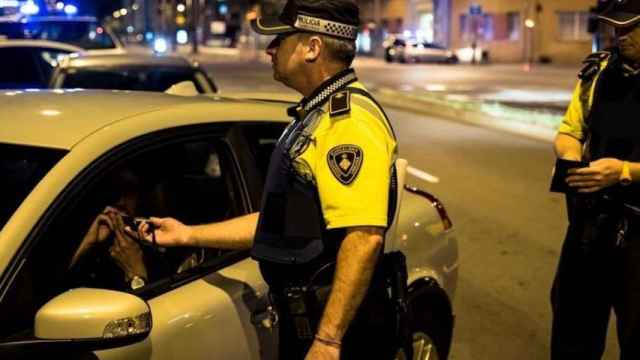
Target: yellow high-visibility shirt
{"type": "Point", "coordinates": [350, 159]}
{"type": "Point", "coordinates": [573, 122]}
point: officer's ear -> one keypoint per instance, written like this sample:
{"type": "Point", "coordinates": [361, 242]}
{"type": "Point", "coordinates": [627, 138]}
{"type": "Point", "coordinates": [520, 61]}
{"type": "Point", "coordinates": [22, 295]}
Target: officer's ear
{"type": "Point", "coordinates": [313, 48]}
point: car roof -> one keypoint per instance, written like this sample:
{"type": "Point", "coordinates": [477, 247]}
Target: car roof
{"type": "Point", "coordinates": [87, 60]}
{"type": "Point", "coordinates": [62, 118]}
{"type": "Point", "coordinates": [39, 44]}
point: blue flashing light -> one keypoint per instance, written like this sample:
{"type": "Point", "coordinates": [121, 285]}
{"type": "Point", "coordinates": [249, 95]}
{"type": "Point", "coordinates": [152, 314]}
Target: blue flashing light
{"type": "Point", "coordinates": [60, 6]}
{"type": "Point", "coordinates": [160, 45]}
{"type": "Point", "coordinates": [148, 36]}
{"type": "Point", "coordinates": [223, 9]}
{"type": "Point", "coordinates": [29, 8]}
{"type": "Point", "coordinates": [70, 9]}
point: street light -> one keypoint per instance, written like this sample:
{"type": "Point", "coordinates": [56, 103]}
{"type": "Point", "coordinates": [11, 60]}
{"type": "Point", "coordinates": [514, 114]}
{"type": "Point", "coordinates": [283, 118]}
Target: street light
{"type": "Point", "coordinates": [181, 7]}
{"type": "Point", "coordinates": [530, 23]}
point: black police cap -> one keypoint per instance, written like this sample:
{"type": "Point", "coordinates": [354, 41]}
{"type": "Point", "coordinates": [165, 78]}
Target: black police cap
{"type": "Point", "coordinates": [339, 18]}
{"type": "Point", "coordinates": [621, 13]}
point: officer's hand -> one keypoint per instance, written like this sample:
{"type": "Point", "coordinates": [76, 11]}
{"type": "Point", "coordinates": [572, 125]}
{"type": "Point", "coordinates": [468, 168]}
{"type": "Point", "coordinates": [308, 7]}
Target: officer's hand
{"type": "Point", "coordinates": [320, 351]}
{"type": "Point", "coordinates": [599, 175]}
{"type": "Point", "coordinates": [167, 231]}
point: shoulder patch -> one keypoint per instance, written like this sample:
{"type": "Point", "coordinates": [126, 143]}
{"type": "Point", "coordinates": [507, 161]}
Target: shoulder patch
{"type": "Point", "coordinates": [340, 103]}
{"type": "Point", "coordinates": [345, 162]}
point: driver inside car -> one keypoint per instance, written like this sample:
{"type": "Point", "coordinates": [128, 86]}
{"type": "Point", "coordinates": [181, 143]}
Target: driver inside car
{"type": "Point", "coordinates": [109, 258]}
{"type": "Point", "coordinates": [106, 236]}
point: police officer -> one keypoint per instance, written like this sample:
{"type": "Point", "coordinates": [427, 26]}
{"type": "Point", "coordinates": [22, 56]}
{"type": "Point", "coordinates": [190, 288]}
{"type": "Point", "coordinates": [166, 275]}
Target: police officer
{"type": "Point", "coordinates": [599, 268]}
{"type": "Point", "coordinates": [328, 194]}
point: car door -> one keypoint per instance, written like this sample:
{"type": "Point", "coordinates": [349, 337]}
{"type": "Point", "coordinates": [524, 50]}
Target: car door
{"type": "Point", "coordinates": [204, 302]}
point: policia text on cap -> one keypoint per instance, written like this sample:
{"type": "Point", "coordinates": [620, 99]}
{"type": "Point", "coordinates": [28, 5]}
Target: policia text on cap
{"type": "Point", "coordinates": [327, 198]}
{"type": "Point", "coordinates": [599, 268]}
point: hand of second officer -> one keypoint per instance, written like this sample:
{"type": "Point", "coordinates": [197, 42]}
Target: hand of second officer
{"type": "Point", "coordinates": [168, 232]}
{"type": "Point", "coordinates": [599, 175]}
{"type": "Point", "coordinates": [320, 351]}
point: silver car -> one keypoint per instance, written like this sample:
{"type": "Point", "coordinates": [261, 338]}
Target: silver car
{"type": "Point", "coordinates": [66, 155]}
{"type": "Point", "coordinates": [141, 72]}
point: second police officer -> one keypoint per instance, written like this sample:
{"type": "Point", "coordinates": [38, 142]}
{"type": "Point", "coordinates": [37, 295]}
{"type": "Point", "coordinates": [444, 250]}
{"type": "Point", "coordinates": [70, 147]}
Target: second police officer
{"type": "Point", "coordinates": [599, 267]}
{"type": "Point", "coordinates": [328, 195]}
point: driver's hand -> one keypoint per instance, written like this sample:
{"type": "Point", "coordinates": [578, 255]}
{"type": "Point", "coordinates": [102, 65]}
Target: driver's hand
{"type": "Point", "coordinates": [168, 232]}
{"type": "Point", "coordinates": [101, 228]}
{"type": "Point", "coordinates": [125, 252]}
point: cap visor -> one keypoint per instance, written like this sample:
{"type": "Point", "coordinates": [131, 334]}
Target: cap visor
{"type": "Point", "coordinates": [620, 19]}
{"type": "Point", "coordinates": [270, 27]}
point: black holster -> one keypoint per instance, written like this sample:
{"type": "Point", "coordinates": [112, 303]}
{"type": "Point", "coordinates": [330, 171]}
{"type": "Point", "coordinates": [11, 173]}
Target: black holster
{"type": "Point", "coordinates": [304, 305]}
{"type": "Point", "coordinates": [395, 269]}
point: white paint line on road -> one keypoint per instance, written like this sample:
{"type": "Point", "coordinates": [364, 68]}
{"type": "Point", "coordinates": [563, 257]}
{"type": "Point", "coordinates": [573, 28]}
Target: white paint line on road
{"type": "Point", "coordinates": [422, 175]}
{"type": "Point", "coordinates": [435, 87]}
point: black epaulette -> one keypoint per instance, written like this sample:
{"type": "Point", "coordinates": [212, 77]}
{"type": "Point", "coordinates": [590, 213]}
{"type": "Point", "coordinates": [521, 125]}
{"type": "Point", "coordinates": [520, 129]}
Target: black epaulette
{"type": "Point", "coordinates": [340, 103]}
{"type": "Point", "coordinates": [592, 64]}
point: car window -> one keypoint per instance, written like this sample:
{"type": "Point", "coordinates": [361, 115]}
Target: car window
{"type": "Point", "coordinates": [22, 167]}
{"type": "Point", "coordinates": [193, 181]}
{"type": "Point", "coordinates": [262, 140]}
{"type": "Point", "coordinates": [19, 69]}
{"type": "Point", "coordinates": [157, 79]}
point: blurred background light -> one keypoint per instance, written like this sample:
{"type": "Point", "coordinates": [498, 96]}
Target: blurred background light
{"type": "Point", "coordinates": [70, 9]}
{"type": "Point", "coordinates": [160, 45]}
{"type": "Point", "coordinates": [29, 8]}
{"type": "Point", "coordinates": [182, 37]}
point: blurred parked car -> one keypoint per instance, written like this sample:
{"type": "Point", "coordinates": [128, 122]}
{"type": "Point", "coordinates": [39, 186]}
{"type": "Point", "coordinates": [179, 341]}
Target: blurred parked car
{"type": "Point", "coordinates": [205, 159]}
{"type": "Point", "coordinates": [143, 72]}
{"type": "Point", "coordinates": [28, 64]}
{"type": "Point", "coordinates": [85, 32]}
{"type": "Point", "coordinates": [403, 51]}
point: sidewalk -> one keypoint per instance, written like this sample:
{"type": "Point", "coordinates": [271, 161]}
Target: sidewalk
{"type": "Point", "coordinates": [538, 120]}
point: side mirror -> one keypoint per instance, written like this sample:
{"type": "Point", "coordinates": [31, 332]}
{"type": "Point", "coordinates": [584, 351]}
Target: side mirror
{"type": "Point", "coordinates": [85, 320]}
{"type": "Point", "coordinates": [92, 314]}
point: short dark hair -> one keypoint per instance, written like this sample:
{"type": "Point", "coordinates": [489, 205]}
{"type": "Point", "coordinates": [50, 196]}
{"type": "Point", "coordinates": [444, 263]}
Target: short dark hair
{"type": "Point", "coordinates": [340, 50]}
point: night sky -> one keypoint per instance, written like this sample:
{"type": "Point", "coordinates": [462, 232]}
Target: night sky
{"type": "Point", "coordinates": [99, 8]}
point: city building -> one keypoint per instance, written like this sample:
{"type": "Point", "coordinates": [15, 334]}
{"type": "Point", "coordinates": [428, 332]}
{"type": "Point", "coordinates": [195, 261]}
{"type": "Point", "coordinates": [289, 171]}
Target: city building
{"type": "Point", "coordinates": [507, 30]}
{"type": "Point", "coordinates": [524, 30]}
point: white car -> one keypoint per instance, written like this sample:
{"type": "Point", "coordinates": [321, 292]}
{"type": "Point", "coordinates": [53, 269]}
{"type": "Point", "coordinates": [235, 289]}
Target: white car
{"type": "Point", "coordinates": [403, 51]}
{"type": "Point", "coordinates": [66, 154]}
{"type": "Point", "coordinates": [85, 32]}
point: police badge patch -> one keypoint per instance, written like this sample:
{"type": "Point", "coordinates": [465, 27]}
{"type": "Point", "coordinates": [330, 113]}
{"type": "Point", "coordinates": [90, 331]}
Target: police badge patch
{"type": "Point", "coordinates": [345, 162]}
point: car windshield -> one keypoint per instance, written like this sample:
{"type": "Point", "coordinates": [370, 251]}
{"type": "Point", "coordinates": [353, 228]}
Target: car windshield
{"type": "Point", "coordinates": [85, 34]}
{"type": "Point", "coordinates": [22, 167]}
{"type": "Point", "coordinates": [136, 78]}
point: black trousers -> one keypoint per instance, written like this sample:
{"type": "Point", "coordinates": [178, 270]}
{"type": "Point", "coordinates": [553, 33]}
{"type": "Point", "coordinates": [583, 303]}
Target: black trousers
{"type": "Point", "coordinates": [598, 271]}
{"type": "Point", "coordinates": [371, 334]}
